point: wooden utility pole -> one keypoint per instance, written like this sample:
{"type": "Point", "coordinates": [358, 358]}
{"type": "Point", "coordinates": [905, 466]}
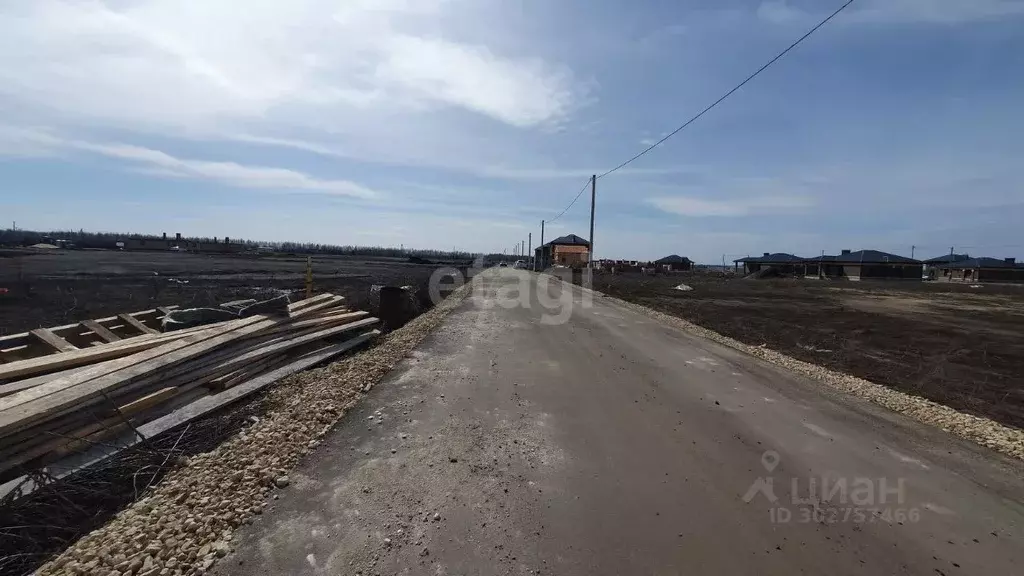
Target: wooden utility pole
{"type": "Point", "coordinates": [309, 276]}
{"type": "Point", "coordinates": [541, 243]}
{"type": "Point", "coordinates": [593, 197]}
{"type": "Point", "coordinates": [529, 251]}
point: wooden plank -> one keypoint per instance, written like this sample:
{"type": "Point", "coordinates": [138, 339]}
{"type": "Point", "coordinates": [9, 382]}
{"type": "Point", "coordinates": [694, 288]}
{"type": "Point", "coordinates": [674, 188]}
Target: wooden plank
{"type": "Point", "coordinates": [127, 319]}
{"type": "Point", "coordinates": [84, 356]}
{"type": "Point", "coordinates": [50, 339]}
{"type": "Point", "coordinates": [309, 301]}
{"type": "Point", "coordinates": [5, 340]}
{"type": "Point", "coordinates": [198, 408]}
{"type": "Point", "coordinates": [215, 401]}
{"type": "Point", "coordinates": [189, 375]}
{"type": "Point", "coordinates": [96, 328]}
{"type": "Point", "coordinates": [116, 366]}
{"type": "Point", "coordinates": [54, 363]}
{"type": "Point", "coordinates": [148, 401]}
{"type": "Point", "coordinates": [75, 439]}
{"type": "Point", "coordinates": [20, 410]}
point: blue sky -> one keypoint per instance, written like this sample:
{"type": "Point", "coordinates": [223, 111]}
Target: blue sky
{"type": "Point", "coordinates": [440, 123]}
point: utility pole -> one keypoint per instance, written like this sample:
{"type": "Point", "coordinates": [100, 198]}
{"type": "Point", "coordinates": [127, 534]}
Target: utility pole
{"type": "Point", "coordinates": [528, 252]}
{"type": "Point", "coordinates": [541, 242]}
{"type": "Point", "coordinates": [593, 197]}
{"type": "Point", "coordinates": [912, 247]}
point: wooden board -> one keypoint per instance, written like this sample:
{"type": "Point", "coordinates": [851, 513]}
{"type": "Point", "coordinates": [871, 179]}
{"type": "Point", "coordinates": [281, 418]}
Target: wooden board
{"type": "Point", "coordinates": [198, 408]}
{"type": "Point", "coordinates": [117, 367]}
{"type": "Point", "coordinates": [83, 356]}
{"type": "Point", "coordinates": [127, 319]}
{"type": "Point", "coordinates": [14, 339]}
{"type": "Point", "coordinates": [97, 329]}
{"type": "Point", "coordinates": [210, 403]}
{"type": "Point", "coordinates": [50, 339]}
{"type": "Point", "coordinates": [49, 364]}
{"type": "Point", "coordinates": [21, 409]}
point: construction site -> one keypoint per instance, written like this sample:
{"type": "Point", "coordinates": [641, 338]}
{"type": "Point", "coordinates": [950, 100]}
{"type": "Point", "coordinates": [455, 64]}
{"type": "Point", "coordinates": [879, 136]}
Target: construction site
{"type": "Point", "coordinates": [154, 404]}
{"type": "Point", "coordinates": [956, 344]}
{"type": "Point", "coordinates": [511, 288]}
{"type": "Point", "coordinates": [114, 365]}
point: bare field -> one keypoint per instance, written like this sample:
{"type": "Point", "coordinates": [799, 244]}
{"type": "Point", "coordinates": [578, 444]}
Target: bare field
{"type": "Point", "coordinates": [953, 344]}
{"type": "Point", "coordinates": [64, 286]}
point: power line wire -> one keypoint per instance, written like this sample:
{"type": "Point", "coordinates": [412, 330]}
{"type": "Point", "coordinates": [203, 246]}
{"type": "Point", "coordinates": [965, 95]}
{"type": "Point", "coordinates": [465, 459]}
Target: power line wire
{"type": "Point", "coordinates": [730, 92]}
{"type": "Point", "coordinates": [580, 193]}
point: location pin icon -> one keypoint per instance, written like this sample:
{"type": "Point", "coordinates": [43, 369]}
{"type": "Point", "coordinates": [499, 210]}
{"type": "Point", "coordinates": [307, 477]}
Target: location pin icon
{"type": "Point", "coordinates": [770, 459]}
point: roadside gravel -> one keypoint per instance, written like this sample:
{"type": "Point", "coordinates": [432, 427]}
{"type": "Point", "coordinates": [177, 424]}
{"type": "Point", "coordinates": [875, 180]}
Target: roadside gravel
{"type": "Point", "coordinates": [186, 523]}
{"type": "Point", "coordinates": [1004, 439]}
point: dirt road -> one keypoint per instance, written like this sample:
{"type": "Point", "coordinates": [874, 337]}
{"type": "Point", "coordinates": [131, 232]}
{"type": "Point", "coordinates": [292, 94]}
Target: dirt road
{"type": "Point", "coordinates": [518, 440]}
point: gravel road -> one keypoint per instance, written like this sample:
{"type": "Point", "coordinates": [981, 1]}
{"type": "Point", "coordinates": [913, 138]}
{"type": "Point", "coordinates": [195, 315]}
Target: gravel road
{"type": "Point", "coordinates": [589, 438]}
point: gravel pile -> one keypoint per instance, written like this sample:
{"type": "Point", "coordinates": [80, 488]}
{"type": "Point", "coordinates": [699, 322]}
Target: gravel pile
{"type": "Point", "coordinates": [1004, 439]}
{"type": "Point", "coordinates": [184, 525]}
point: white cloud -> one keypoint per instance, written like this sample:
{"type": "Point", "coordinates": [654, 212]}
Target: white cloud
{"type": "Point", "coordinates": [16, 142]}
{"type": "Point", "coordinates": [198, 65]}
{"type": "Point", "coordinates": [497, 171]}
{"type": "Point", "coordinates": [518, 92]}
{"type": "Point", "coordinates": [897, 11]}
{"type": "Point", "coordinates": [701, 207]}
{"type": "Point", "coordinates": [938, 11]}
{"type": "Point", "coordinates": [779, 12]}
{"type": "Point", "coordinates": [228, 173]}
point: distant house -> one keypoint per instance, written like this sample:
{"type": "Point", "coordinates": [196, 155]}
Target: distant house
{"type": "Point", "coordinates": [876, 265]}
{"type": "Point", "coordinates": [983, 270]}
{"type": "Point", "coordinates": [933, 266]}
{"type": "Point", "coordinates": [824, 266]}
{"type": "Point", "coordinates": [674, 263]}
{"type": "Point", "coordinates": [570, 250]}
{"type": "Point", "coordinates": [946, 259]}
{"type": "Point", "coordinates": [179, 244]}
{"type": "Point", "coordinates": [781, 261]}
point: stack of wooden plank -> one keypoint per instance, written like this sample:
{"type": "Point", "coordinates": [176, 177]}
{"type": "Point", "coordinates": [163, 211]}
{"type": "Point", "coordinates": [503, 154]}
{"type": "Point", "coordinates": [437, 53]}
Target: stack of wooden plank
{"type": "Point", "coordinates": [84, 334]}
{"type": "Point", "coordinates": [57, 405]}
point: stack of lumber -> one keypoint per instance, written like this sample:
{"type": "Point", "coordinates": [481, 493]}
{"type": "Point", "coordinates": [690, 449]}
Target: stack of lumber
{"type": "Point", "coordinates": [56, 406]}
{"type": "Point", "coordinates": [84, 334]}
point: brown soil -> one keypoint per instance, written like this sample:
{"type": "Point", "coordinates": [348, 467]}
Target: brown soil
{"type": "Point", "coordinates": [52, 288]}
{"type": "Point", "coordinates": [960, 346]}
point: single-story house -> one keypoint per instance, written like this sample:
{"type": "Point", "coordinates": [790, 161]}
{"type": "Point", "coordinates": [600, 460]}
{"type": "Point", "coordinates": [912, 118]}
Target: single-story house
{"type": "Point", "coordinates": [824, 266]}
{"type": "Point", "coordinates": [946, 259]}
{"type": "Point", "coordinates": [570, 250]}
{"type": "Point", "coordinates": [933, 266]}
{"type": "Point", "coordinates": [673, 263]}
{"type": "Point", "coordinates": [781, 261]}
{"type": "Point", "coordinates": [983, 270]}
{"type": "Point", "coordinates": [874, 264]}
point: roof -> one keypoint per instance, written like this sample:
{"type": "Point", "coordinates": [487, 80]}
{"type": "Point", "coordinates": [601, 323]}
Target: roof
{"type": "Point", "coordinates": [822, 258]}
{"type": "Point", "coordinates": [568, 240]}
{"type": "Point", "coordinates": [673, 259]}
{"type": "Point", "coordinates": [947, 258]}
{"type": "Point", "coordinates": [875, 256]}
{"type": "Point", "coordinates": [772, 258]}
{"type": "Point", "coordinates": [982, 262]}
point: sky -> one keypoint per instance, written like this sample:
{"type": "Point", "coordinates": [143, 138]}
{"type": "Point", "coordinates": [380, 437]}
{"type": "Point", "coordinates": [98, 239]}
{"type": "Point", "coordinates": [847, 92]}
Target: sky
{"type": "Point", "coordinates": [464, 123]}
